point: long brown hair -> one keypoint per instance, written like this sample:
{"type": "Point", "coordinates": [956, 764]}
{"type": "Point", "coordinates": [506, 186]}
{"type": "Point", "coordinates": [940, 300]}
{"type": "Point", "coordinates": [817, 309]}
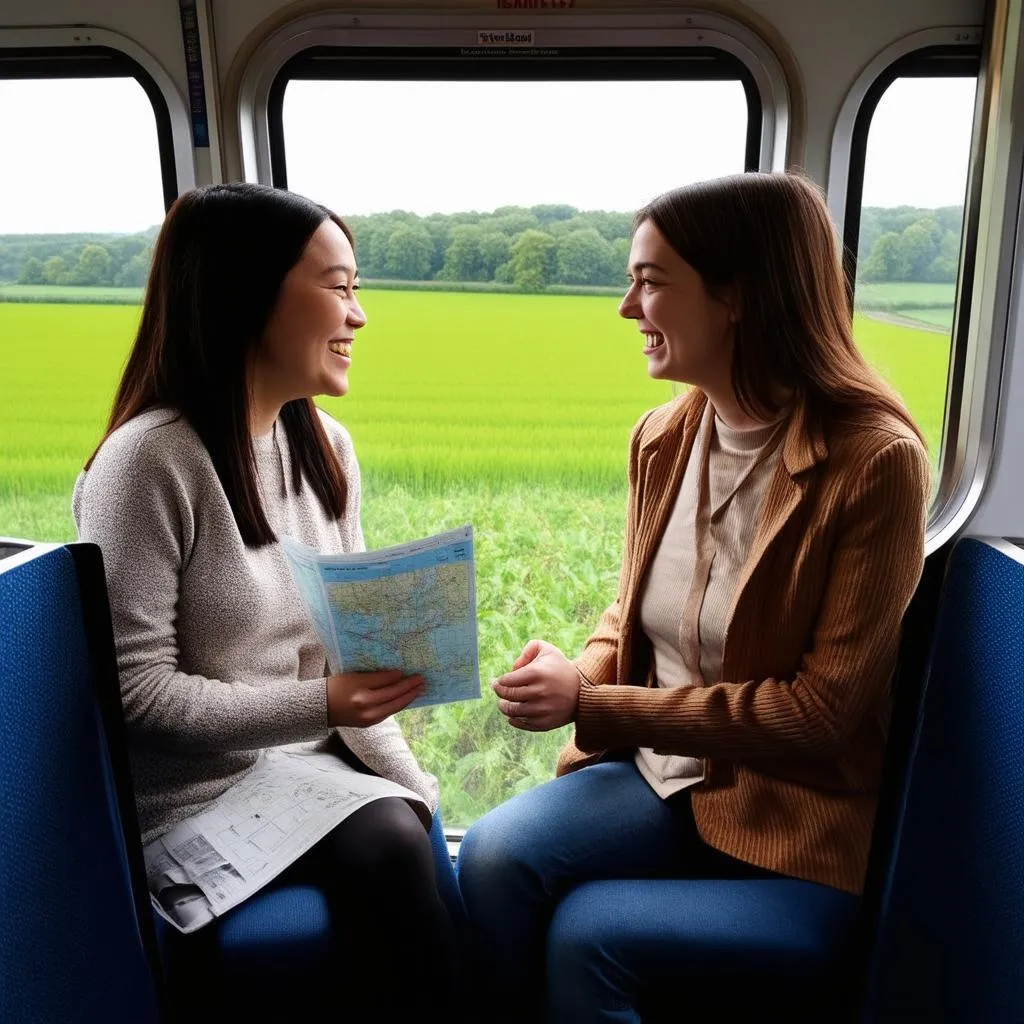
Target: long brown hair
{"type": "Point", "coordinates": [218, 264]}
{"type": "Point", "coordinates": [770, 238]}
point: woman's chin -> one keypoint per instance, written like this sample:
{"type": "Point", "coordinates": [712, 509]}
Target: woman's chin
{"type": "Point", "coordinates": [656, 369]}
{"type": "Point", "coordinates": [335, 387]}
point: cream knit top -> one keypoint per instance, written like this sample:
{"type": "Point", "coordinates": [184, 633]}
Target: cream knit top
{"type": "Point", "coordinates": [686, 617]}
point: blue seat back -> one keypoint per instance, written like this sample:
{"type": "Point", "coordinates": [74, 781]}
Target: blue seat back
{"type": "Point", "coordinates": [72, 943]}
{"type": "Point", "coordinates": [950, 938]}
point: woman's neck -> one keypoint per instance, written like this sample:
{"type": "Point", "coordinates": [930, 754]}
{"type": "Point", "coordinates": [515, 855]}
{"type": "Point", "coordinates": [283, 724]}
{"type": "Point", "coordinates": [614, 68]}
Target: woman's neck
{"type": "Point", "coordinates": [730, 412]}
{"type": "Point", "coordinates": [264, 406]}
{"type": "Point", "coordinates": [262, 419]}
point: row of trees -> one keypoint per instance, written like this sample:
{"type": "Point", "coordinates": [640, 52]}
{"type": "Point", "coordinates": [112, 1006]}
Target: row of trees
{"type": "Point", "coordinates": [90, 260]}
{"type": "Point", "coordinates": [905, 243]}
{"type": "Point", "coordinates": [526, 247]}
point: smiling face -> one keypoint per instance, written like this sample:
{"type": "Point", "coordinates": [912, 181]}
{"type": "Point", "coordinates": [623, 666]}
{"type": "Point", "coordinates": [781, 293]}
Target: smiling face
{"type": "Point", "coordinates": [687, 331]}
{"type": "Point", "coordinates": [306, 348]}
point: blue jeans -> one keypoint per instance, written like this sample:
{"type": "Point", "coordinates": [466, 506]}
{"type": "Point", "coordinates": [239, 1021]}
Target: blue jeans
{"type": "Point", "coordinates": [601, 945]}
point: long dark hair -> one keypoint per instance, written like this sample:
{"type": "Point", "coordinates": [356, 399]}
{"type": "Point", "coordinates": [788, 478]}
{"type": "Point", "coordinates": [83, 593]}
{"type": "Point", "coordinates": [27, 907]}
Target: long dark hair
{"type": "Point", "coordinates": [218, 264]}
{"type": "Point", "coordinates": [770, 237]}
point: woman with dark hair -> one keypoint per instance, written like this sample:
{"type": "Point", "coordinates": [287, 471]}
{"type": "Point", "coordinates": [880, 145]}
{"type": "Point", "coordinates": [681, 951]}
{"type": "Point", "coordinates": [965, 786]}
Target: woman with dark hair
{"type": "Point", "coordinates": [214, 448]}
{"type": "Point", "coordinates": [731, 707]}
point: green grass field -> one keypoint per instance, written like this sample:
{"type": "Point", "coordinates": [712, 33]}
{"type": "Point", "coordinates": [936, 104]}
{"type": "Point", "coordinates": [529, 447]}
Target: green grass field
{"type": "Point", "coordinates": [68, 294]}
{"type": "Point", "coordinates": [929, 303]}
{"type": "Point", "coordinates": [507, 411]}
{"type": "Point", "coordinates": [885, 294]}
{"type": "Point", "coordinates": [941, 318]}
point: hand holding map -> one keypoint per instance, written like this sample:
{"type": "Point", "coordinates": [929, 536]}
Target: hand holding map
{"type": "Point", "coordinates": [361, 699]}
{"type": "Point", "coordinates": [410, 607]}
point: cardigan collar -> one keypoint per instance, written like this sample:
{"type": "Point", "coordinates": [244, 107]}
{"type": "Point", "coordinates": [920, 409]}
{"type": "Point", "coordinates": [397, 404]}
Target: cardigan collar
{"type": "Point", "coordinates": [803, 446]}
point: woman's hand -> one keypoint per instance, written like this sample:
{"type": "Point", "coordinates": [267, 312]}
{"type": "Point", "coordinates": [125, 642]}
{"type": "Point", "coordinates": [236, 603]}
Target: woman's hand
{"type": "Point", "coordinates": [366, 698]}
{"type": "Point", "coordinates": [542, 690]}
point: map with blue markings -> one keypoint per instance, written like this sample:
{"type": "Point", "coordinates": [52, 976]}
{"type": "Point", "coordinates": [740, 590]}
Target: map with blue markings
{"type": "Point", "coordinates": [411, 607]}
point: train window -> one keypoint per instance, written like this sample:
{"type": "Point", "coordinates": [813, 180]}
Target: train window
{"type": "Point", "coordinates": [910, 152]}
{"type": "Point", "coordinates": [495, 383]}
{"type": "Point", "coordinates": [79, 207]}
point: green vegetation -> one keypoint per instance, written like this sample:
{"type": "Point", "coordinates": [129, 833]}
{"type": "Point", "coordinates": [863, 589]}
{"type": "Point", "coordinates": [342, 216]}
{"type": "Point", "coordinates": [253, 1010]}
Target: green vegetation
{"type": "Point", "coordinates": [929, 303]}
{"type": "Point", "coordinates": [917, 363]}
{"type": "Point", "coordinates": [524, 249]}
{"type": "Point", "coordinates": [509, 412]}
{"type": "Point", "coordinates": [73, 294]}
{"type": "Point", "coordinates": [84, 260]}
{"type": "Point", "coordinates": [547, 566]}
{"type": "Point", "coordinates": [940, 319]}
{"type": "Point", "coordinates": [495, 390]}
{"type": "Point", "coordinates": [899, 295]}
{"type": "Point", "coordinates": [904, 243]}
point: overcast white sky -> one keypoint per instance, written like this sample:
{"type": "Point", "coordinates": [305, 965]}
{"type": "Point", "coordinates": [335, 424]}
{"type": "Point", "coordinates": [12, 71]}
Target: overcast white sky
{"type": "Point", "coordinates": [82, 155]}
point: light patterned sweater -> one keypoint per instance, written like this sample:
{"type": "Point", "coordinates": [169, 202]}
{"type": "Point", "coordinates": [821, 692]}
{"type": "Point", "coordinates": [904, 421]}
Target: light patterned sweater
{"type": "Point", "coordinates": [216, 655]}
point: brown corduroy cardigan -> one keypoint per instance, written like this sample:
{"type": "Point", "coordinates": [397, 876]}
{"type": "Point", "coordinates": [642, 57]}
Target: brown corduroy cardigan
{"type": "Point", "coordinates": [793, 736]}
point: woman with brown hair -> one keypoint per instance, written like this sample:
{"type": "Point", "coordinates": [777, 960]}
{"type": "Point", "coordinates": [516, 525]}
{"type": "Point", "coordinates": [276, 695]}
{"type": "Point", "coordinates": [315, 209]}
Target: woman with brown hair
{"type": "Point", "coordinates": [731, 707]}
{"type": "Point", "coordinates": [215, 448]}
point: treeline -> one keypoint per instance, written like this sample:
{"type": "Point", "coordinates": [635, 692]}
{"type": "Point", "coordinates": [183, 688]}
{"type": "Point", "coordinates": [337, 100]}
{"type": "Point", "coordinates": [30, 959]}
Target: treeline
{"type": "Point", "coordinates": [528, 248]}
{"type": "Point", "coordinates": [79, 259]}
{"type": "Point", "coordinates": [906, 243]}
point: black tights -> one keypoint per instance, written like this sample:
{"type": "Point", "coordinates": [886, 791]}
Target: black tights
{"type": "Point", "coordinates": [397, 949]}
{"type": "Point", "coordinates": [396, 937]}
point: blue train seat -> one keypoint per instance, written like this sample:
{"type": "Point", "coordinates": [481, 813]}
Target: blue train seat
{"type": "Point", "coordinates": [950, 938]}
{"type": "Point", "coordinates": [75, 936]}
{"type": "Point", "coordinates": [940, 932]}
{"type": "Point", "coordinates": [274, 953]}
{"type": "Point", "coordinates": [79, 941]}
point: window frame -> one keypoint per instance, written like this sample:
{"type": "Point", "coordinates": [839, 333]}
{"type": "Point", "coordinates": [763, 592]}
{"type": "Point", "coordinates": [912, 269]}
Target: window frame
{"type": "Point", "coordinates": [937, 61]}
{"type": "Point", "coordinates": [677, 64]}
{"type": "Point", "coordinates": [967, 436]}
{"type": "Point", "coordinates": [71, 53]}
{"type": "Point", "coordinates": [421, 31]}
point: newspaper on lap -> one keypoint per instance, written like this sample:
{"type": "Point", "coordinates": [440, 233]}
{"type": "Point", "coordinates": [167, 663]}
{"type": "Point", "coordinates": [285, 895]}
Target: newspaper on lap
{"type": "Point", "coordinates": [410, 607]}
{"type": "Point", "coordinates": [291, 799]}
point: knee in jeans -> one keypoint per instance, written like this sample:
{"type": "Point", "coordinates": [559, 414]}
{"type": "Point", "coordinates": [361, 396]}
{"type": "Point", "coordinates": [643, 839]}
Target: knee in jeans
{"type": "Point", "coordinates": [581, 939]}
{"type": "Point", "coordinates": [488, 852]}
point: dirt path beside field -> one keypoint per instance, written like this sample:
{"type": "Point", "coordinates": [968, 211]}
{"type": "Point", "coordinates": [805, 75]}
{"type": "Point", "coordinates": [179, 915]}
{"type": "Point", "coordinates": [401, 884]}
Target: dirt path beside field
{"type": "Point", "coordinates": [902, 321]}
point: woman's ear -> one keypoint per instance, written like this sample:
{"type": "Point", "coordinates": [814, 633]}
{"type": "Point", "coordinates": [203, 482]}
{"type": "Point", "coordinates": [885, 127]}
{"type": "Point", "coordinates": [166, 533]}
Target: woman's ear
{"type": "Point", "coordinates": [731, 298]}
{"type": "Point", "coordinates": [734, 303]}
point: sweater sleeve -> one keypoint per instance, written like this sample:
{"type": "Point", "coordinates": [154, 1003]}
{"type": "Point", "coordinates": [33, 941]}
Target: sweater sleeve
{"type": "Point", "coordinates": [133, 502]}
{"type": "Point", "coordinates": [875, 568]}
